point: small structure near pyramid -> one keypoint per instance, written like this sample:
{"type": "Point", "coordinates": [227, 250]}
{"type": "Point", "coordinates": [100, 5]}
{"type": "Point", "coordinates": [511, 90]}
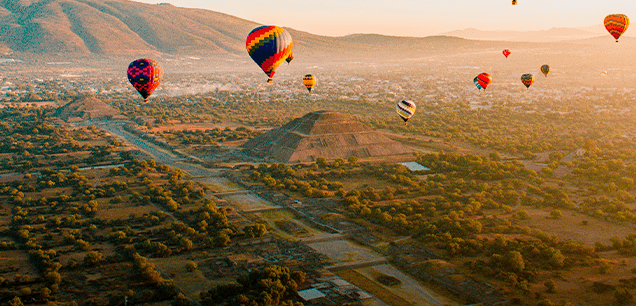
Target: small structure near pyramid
{"type": "Point", "coordinates": [325, 134]}
{"type": "Point", "coordinates": [87, 108]}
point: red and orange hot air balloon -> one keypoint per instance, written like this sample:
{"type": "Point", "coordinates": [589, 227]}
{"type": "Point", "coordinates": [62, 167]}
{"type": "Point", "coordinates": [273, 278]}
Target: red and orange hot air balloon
{"type": "Point", "coordinates": [506, 52]}
{"type": "Point", "coordinates": [527, 79]}
{"type": "Point", "coordinates": [145, 75]}
{"type": "Point", "coordinates": [269, 47]}
{"type": "Point", "coordinates": [616, 25]}
{"type": "Point", "coordinates": [483, 80]}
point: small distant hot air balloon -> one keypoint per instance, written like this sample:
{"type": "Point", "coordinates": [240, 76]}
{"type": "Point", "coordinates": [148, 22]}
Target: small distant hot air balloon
{"type": "Point", "coordinates": [616, 25]}
{"type": "Point", "coordinates": [405, 109]}
{"type": "Point", "coordinates": [514, 2]}
{"type": "Point", "coordinates": [527, 79]}
{"type": "Point", "coordinates": [545, 69]}
{"type": "Point", "coordinates": [269, 47]}
{"type": "Point", "coordinates": [309, 81]}
{"type": "Point", "coordinates": [290, 58]}
{"type": "Point", "coordinates": [145, 75]}
{"type": "Point", "coordinates": [483, 79]}
{"type": "Point", "coordinates": [603, 72]}
{"type": "Point", "coordinates": [506, 52]}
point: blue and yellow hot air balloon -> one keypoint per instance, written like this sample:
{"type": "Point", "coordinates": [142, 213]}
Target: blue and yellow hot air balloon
{"type": "Point", "coordinates": [405, 109]}
{"type": "Point", "coordinates": [269, 47]}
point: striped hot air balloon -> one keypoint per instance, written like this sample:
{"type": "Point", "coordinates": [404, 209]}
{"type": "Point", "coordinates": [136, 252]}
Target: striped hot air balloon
{"type": "Point", "coordinates": [506, 52]}
{"type": "Point", "coordinates": [483, 80]}
{"type": "Point", "coordinates": [527, 79]}
{"type": "Point", "coordinates": [309, 81]}
{"type": "Point", "coordinates": [545, 69]}
{"type": "Point", "coordinates": [405, 109]}
{"type": "Point", "coordinates": [145, 75]}
{"type": "Point", "coordinates": [269, 47]}
{"type": "Point", "coordinates": [616, 25]}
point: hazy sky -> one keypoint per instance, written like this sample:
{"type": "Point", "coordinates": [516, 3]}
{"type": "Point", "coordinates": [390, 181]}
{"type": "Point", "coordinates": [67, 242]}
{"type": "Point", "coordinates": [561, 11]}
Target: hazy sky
{"type": "Point", "coordinates": [415, 17]}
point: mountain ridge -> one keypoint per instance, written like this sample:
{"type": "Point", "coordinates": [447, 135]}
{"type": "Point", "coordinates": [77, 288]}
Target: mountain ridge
{"type": "Point", "coordinates": [127, 28]}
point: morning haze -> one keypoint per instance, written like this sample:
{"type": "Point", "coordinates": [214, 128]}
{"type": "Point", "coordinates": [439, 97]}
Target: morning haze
{"type": "Point", "coordinates": [224, 189]}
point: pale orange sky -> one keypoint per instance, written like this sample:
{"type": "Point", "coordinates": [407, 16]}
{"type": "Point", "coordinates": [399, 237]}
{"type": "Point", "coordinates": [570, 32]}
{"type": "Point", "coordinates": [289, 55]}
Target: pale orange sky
{"type": "Point", "coordinates": [415, 17]}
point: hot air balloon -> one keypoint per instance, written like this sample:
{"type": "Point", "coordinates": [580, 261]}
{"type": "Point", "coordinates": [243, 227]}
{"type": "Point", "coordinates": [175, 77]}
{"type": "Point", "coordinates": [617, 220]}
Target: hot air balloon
{"type": "Point", "coordinates": [514, 2]}
{"type": "Point", "coordinates": [603, 72]}
{"type": "Point", "coordinates": [269, 46]}
{"type": "Point", "coordinates": [616, 25]}
{"type": "Point", "coordinates": [545, 69]}
{"type": "Point", "coordinates": [309, 81]}
{"type": "Point", "coordinates": [145, 75]}
{"type": "Point", "coordinates": [405, 109]}
{"type": "Point", "coordinates": [477, 83]}
{"type": "Point", "coordinates": [506, 52]}
{"type": "Point", "coordinates": [290, 58]}
{"type": "Point", "coordinates": [483, 80]}
{"type": "Point", "coordinates": [527, 79]}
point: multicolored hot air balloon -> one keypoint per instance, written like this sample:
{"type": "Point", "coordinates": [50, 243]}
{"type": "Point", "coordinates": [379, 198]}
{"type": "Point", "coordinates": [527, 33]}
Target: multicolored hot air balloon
{"type": "Point", "coordinates": [290, 58]}
{"type": "Point", "coordinates": [527, 79]}
{"type": "Point", "coordinates": [269, 47]}
{"type": "Point", "coordinates": [616, 25]}
{"type": "Point", "coordinates": [506, 52]}
{"type": "Point", "coordinates": [545, 69]}
{"type": "Point", "coordinates": [483, 79]}
{"type": "Point", "coordinates": [514, 2]}
{"type": "Point", "coordinates": [405, 109]}
{"type": "Point", "coordinates": [477, 83]}
{"type": "Point", "coordinates": [309, 81]}
{"type": "Point", "coordinates": [145, 75]}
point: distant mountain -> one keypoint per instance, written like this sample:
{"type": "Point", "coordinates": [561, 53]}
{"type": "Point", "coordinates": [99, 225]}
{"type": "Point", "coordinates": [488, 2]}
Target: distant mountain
{"type": "Point", "coordinates": [112, 27]}
{"type": "Point", "coordinates": [120, 27]}
{"type": "Point", "coordinates": [551, 35]}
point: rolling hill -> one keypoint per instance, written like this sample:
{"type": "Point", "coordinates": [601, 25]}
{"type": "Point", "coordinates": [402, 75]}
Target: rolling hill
{"type": "Point", "coordinates": [120, 27]}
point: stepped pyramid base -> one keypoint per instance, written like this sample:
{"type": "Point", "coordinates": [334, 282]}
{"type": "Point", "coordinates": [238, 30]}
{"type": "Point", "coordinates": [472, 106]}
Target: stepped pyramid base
{"type": "Point", "coordinates": [325, 134]}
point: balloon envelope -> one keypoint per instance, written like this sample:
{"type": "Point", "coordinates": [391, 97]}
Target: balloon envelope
{"type": "Point", "coordinates": [483, 79]}
{"type": "Point", "coordinates": [506, 52]}
{"type": "Point", "coordinates": [616, 25]}
{"type": "Point", "coordinates": [290, 58]}
{"type": "Point", "coordinates": [145, 75]}
{"type": "Point", "coordinates": [545, 69]}
{"type": "Point", "coordinates": [527, 79]}
{"type": "Point", "coordinates": [309, 81]}
{"type": "Point", "coordinates": [405, 109]}
{"type": "Point", "coordinates": [269, 47]}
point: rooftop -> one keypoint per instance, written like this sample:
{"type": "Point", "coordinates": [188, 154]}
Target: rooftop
{"type": "Point", "coordinates": [310, 294]}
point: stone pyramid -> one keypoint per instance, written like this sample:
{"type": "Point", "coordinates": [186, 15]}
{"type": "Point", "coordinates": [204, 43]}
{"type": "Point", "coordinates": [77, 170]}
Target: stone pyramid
{"type": "Point", "coordinates": [325, 134]}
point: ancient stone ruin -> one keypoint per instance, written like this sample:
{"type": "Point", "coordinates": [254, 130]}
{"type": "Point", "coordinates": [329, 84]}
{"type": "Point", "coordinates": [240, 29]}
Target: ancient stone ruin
{"type": "Point", "coordinates": [325, 134]}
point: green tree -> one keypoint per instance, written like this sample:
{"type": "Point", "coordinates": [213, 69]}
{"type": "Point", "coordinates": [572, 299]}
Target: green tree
{"type": "Point", "coordinates": [550, 285]}
{"type": "Point", "coordinates": [515, 261]}
{"type": "Point", "coordinates": [93, 258]}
